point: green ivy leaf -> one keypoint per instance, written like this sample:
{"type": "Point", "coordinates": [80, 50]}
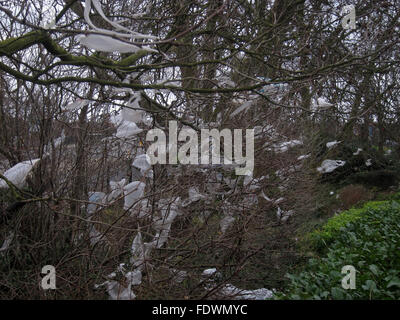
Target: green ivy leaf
{"type": "Point", "coordinates": [374, 269]}
{"type": "Point", "coordinates": [395, 282]}
{"type": "Point", "coordinates": [336, 293]}
{"type": "Point", "coordinates": [369, 285]}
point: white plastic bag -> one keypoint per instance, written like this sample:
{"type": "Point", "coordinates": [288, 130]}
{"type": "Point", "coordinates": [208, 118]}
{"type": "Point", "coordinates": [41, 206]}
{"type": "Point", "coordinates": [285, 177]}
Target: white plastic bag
{"type": "Point", "coordinates": [133, 192]}
{"type": "Point", "coordinates": [17, 174]}
{"type": "Point", "coordinates": [117, 188]}
{"type": "Point", "coordinates": [328, 166]}
{"type": "Point", "coordinates": [127, 129]}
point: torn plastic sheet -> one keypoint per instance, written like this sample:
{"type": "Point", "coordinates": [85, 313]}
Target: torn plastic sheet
{"type": "Point", "coordinates": [230, 291]}
{"type": "Point", "coordinates": [142, 209]}
{"type": "Point", "coordinates": [137, 250]}
{"type": "Point", "coordinates": [244, 107]}
{"type": "Point", "coordinates": [106, 43]}
{"type": "Point", "coordinates": [127, 129]}
{"type": "Point", "coordinates": [163, 226]}
{"type": "Point", "coordinates": [169, 211]}
{"type": "Point", "coordinates": [247, 179]}
{"type": "Point", "coordinates": [226, 222]}
{"type": "Point", "coordinates": [368, 163]}
{"type": "Point", "coordinates": [275, 202]}
{"type": "Point", "coordinates": [279, 200]}
{"type": "Point", "coordinates": [162, 237]}
{"type": "Point", "coordinates": [140, 251]}
{"type": "Point", "coordinates": [133, 192]}
{"type": "Point", "coordinates": [328, 166]}
{"type": "Point", "coordinates": [266, 197]}
{"type": "Point", "coordinates": [225, 81]}
{"type": "Point", "coordinates": [209, 272]}
{"type": "Point", "coordinates": [272, 88]}
{"type": "Point", "coordinates": [142, 162]}
{"type": "Point", "coordinates": [284, 146]}
{"type": "Point", "coordinates": [283, 216]}
{"type": "Point", "coordinates": [95, 197]}
{"type": "Point", "coordinates": [228, 219]}
{"type": "Point", "coordinates": [178, 275]}
{"type": "Point", "coordinates": [17, 174]}
{"type": "Point", "coordinates": [117, 26]}
{"type": "Point", "coordinates": [134, 277]}
{"type": "Point", "coordinates": [168, 205]}
{"type": "Point", "coordinates": [95, 236]}
{"type": "Point", "coordinates": [133, 112]}
{"type": "Point", "coordinates": [77, 104]}
{"type": "Point", "coordinates": [320, 105]}
{"type": "Point", "coordinates": [131, 115]}
{"type": "Point", "coordinates": [116, 119]}
{"type": "Point", "coordinates": [388, 152]}
{"type": "Point", "coordinates": [7, 242]}
{"type": "Point", "coordinates": [57, 142]}
{"type": "Point", "coordinates": [194, 195]}
{"type": "Point", "coordinates": [253, 183]}
{"type": "Point", "coordinates": [305, 156]}
{"type": "Point", "coordinates": [116, 291]}
{"type": "Point", "coordinates": [357, 152]}
{"type": "Point", "coordinates": [331, 144]}
{"type": "Point", "coordinates": [117, 188]}
{"type": "Point", "coordinates": [235, 293]}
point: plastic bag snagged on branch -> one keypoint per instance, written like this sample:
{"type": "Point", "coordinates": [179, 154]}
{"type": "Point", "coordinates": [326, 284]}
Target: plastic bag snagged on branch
{"type": "Point", "coordinates": [210, 277]}
{"type": "Point", "coordinates": [143, 163]}
{"type": "Point", "coordinates": [107, 44]}
{"type": "Point", "coordinates": [104, 41]}
{"type": "Point", "coordinates": [115, 290]}
{"type": "Point", "coordinates": [133, 192]}
{"type": "Point", "coordinates": [95, 197]}
{"type": "Point", "coordinates": [7, 242]}
{"type": "Point", "coordinates": [328, 166]}
{"type": "Point", "coordinates": [127, 129]}
{"type": "Point", "coordinates": [133, 112]}
{"type": "Point", "coordinates": [117, 188]}
{"type": "Point", "coordinates": [79, 103]}
{"type": "Point", "coordinates": [17, 174]}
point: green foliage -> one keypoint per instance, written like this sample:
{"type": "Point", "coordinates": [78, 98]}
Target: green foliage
{"type": "Point", "coordinates": [322, 237]}
{"type": "Point", "coordinates": [366, 238]}
{"type": "Point", "coordinates": [395, 197]}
